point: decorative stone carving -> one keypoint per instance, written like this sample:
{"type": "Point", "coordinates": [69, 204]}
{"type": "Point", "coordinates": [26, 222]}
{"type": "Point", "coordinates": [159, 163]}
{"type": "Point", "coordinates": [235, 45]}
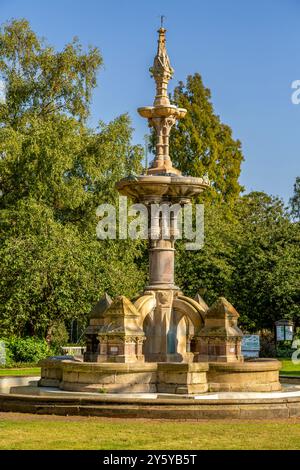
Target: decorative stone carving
{"type": "Point", "coordinates": [161, 70]}
{"type": "Point", "coordinates": [164, 297]}
{"type": "Point", "coordinates": [98, 311]}
{"type": "Point", "coordinates": [162, 324]}
{"type": "Point", "coordinates": [201, 302]}
{"type": "Point", "coordinates": [121, 337]}
{"type": "Point", "coordinates": [220, 338]}
{"type": "Point", "coordinates": [145, 306]}
{"type": "Point", "coordinates": [162, 115]}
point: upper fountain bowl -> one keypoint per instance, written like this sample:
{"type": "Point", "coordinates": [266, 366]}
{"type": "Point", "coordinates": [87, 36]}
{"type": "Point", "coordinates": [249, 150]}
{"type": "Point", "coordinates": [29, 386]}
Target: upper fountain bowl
{"type": "Point", "coordinates": [162, 111]}
{"type": "Point", "coordinates": [158, 188]}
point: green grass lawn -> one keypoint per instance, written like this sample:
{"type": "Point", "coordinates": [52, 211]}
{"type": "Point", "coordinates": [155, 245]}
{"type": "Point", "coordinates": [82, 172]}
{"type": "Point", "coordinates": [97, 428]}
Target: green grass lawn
{"type": "Point", "coordinates": [23, 431]}
{"type": "Point", "coordinates": [288, 368]}
{"type": "Point", "coordinates": [25, 371]}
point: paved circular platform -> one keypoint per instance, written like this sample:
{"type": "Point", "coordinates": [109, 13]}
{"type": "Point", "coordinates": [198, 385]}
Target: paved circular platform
{"type": "Point", "coordinates": [231, 405]}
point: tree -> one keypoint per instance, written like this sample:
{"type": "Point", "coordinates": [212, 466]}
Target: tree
{"type": "Point", "coordinates": [200, 143]}
{"type": "Point", "coordinates": [251, 256]}
{"type": "Point", "coordinates": [54, 173]}
{"type": "Point", "coordinates": [210, 268]}
{"type": "Point", "coordinates": [54, 272]}
{"type": "Point", "coordinates": [40, 81]}
{"type": "Point", "coordinates": [265, 284]}
{"type": "Point", "coordinates": [295, 201]}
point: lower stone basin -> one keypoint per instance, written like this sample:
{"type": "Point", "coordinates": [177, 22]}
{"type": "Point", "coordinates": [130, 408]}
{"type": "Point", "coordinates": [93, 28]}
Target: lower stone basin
{"type": "Point", "coordinates": [175, 378]}
{"type": "Point", "coordinates": [27, 397]}
{"type": "Point", "coordinates": [122, 378]}
{"type": "Point", "coordinates": [260, 375]}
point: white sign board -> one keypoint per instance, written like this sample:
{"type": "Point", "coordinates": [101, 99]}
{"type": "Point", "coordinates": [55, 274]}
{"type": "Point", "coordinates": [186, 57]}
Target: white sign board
{"type": "Point", "coordinates": [289, 333]}
{"type": "Point", "coordinates": [280, 332]}
{"type": "Point", "coordinates": [284, 332]}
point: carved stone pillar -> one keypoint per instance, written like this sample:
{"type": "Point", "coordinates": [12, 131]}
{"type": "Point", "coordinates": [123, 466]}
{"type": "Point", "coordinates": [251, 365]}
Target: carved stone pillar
{"type": "Point", "coordinates": [163, 126]}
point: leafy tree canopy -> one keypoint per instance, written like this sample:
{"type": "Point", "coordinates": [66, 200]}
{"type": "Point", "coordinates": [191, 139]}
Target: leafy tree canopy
{"type": "Point", "coordinates": [251, 257]}
{"type": "Point", "coordinates": [295, 201]}
{"type": "Point", "coordinates": [40, 81]}
{"type": "Point", "coordinates": [55, 171]}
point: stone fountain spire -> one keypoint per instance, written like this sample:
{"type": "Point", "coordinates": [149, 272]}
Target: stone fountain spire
{"type": "Point", "coordinates": [162, 115]}
{"type": "Point", "coordinates": [162, 303]}
{"type": "Point", "coordinates": [161, 71]}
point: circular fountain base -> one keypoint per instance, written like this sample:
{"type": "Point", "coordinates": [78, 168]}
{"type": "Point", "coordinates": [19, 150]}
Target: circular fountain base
{"type": "Point", "coordinates": [164, 377]}
{"type": "Point", "coordinates": [248, 390]}
{"type": "Point", "coordinates": [226, 405]}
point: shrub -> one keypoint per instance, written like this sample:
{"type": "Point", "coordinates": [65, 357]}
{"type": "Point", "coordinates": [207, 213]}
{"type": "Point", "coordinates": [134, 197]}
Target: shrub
{"type": "Point", "coordinates": [267, 343]}
{"type": "Point", "coordinates": [27, 349]}
{"type": "Point", "coordinates": [284, 349]}
{"type": "Point", "coordinates": [58, 337]}
{"type": "Point", "coordinates": [268, 346]}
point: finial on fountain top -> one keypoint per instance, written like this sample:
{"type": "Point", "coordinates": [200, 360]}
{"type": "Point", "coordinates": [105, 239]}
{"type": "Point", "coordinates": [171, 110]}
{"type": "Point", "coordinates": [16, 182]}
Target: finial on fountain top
{"type": "Point", "coordinates": [161, 70]}
{"type": "Point", "coordinates": [162, 115]}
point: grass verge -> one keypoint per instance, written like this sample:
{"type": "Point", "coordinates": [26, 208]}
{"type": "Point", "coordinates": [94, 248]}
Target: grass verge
{"type": "Point", "coordinates": [34, 371]}
{"type": "Point", "coordinates": [19, 431]}
{"type": "Point", "coordinates": [289, 368]}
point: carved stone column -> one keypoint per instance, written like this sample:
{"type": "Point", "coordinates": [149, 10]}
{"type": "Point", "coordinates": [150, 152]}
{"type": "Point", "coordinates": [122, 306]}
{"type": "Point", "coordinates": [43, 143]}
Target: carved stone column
{"type": "Point", "coordinates": [162, 316]}
{"type": "Point", "coordinates": [163, 126]}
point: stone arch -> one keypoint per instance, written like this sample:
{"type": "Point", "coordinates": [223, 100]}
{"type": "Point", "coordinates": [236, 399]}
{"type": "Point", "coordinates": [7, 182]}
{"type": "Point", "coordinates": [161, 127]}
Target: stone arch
{"type": "Point", "coordinates": [191, 309]}
{"type": "Point", "coordinates": [145, 306]}
{"type": "Point", "coordinates": [188, 319]}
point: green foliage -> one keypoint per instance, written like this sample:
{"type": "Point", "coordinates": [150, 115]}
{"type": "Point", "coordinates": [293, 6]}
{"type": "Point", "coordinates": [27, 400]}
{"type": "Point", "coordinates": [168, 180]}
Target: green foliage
{"type": "Point", "coordinates": [200, 143]}
{"type": "Point", "coordinates": [212, 266]}
{"type": "Point", "coordinates": [54, 174]}
{"type": "Point", "coordinates": [29, 350]}
{"type": "Point", "coordinates": [284, 349]}
{"type": "Point", "coordinates": [265, 283]}
{"type": "Point", "coordinates": [251, 256]}
{"type": "Point", "coordinates": [57, 336]}
{"type": "Point", "coordinates": [295, 201]}
{"type": "Point", "coordinates": [45, 433]}
{"type": "Point", "coordinates": [267, 343]}
{"type": "Point", "coordinates": [251, 251]}
{"type": "Point", "coordinates": [40, 81]}
{"type": "Point", "coordinates": [53, 266]}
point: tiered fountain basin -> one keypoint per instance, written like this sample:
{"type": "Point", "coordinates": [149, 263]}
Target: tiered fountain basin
{"type": "Point", "coordinates": [162, 111]}
{"type": "Point", "coordinates": [58, 396]}
{"type": "Point", "coordinates": [172, 378]}
{"type": "Point", "coordinates": [166, 187]}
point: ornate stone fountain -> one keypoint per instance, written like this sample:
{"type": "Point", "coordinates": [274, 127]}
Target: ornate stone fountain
{"type": "Point", "coordinates": [162, 341]}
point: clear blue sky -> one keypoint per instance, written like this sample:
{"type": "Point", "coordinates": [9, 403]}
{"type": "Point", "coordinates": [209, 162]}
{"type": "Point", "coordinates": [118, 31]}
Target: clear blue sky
{"type": "Point", "coordinates": [247, 51]}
